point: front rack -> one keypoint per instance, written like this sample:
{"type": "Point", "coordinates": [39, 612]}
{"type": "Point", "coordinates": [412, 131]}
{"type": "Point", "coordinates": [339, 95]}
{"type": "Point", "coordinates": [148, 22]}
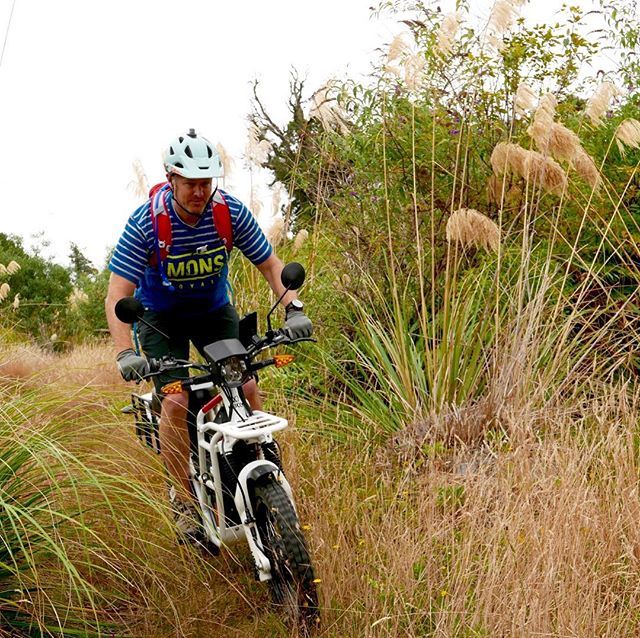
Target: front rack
{"type": "Point", "coordinates": [258, 424]}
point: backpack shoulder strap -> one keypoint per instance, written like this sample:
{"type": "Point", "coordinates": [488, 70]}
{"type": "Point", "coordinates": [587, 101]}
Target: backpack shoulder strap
{"type": "Point", "coordinates": [222, 219]}
{"type": "Point", "coordinates": [161, 221]}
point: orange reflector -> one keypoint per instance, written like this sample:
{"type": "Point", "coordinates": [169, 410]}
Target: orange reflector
{"type": "Point", "coordinates": [175, 387]}
{"type": "Point", "coordinates": [283, 360]}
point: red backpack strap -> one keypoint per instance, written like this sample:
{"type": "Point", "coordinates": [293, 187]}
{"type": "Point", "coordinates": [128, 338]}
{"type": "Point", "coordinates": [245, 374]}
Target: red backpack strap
{"type": "Point", "coordinates": [161, 223]}
{"type": "Point", "coordinates": [222, 219]}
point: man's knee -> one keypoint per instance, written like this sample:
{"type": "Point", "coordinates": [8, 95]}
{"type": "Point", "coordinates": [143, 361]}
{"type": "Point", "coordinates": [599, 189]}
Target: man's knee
{"type": "Point", "coordinates": [252, 394]}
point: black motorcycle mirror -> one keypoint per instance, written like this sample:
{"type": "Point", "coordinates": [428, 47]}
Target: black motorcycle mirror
{"type": "Point", "coordinates": [130, 310]}
{"type": "Point", "coordinates": [292, 278]}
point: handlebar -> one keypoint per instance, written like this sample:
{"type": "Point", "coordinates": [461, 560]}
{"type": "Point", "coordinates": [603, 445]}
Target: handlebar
{"type": "Point", "coordinates": [271, 339]}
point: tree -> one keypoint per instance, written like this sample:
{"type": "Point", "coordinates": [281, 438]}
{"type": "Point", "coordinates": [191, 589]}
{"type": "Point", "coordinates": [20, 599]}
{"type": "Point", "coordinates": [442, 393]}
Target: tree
{"type": "Point", "coordinates": [81, 267]}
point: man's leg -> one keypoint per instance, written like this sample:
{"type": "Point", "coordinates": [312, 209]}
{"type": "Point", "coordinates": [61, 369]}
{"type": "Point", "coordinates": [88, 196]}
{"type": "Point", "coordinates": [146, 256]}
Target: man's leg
{"type": "Point", "coordinates": [174, 435]}
{"type": "Point", "coordinates": [252, 394]}
{"type": "Point", "coordinates": [174, 442]}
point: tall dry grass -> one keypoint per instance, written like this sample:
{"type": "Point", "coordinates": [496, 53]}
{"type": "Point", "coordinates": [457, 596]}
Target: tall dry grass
{"type": "Point", "coordinates": [536, 537]}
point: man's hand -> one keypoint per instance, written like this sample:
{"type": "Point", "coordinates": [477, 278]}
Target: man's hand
{"type": "Point", "coordinates": [132, 367]}
{"type": "Point", "coordinates": [298, 325]}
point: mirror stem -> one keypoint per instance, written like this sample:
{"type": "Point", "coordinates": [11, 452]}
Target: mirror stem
{"type": "Point", "coordinates": [275, 305]}
{"type": "Point", "coordinates": [146, 323]}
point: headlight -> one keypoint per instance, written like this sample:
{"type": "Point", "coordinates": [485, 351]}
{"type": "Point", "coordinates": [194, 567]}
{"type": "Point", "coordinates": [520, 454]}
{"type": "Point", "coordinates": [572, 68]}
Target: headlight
{"type": "Point", "coordinates": [233, 370]}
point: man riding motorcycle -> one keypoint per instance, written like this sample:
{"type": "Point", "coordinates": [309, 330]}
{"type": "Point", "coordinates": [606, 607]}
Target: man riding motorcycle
{"type": "Point", "coordinates": [183, 284]}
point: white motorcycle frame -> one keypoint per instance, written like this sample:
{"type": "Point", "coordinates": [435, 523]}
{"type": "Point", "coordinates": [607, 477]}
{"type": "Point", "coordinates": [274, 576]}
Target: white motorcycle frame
{"type": "Point", "coordinates": [255, 428]}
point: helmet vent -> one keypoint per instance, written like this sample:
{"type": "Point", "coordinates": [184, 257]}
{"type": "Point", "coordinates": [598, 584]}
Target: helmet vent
{"type": "Point", "coordinates": [187, 151]}
{"type": "Point", "coordinates": [181, 139]}
{"type": "Point", "coordinates": [178, 165]}
{"type": "Point", "coordinates": [209, 151]}
{"type": "Point", "coordinates": [171, 151]}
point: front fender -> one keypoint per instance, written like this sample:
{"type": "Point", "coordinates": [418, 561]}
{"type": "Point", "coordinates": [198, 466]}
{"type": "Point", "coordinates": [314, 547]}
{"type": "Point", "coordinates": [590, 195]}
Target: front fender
{"type": "Point", "coordinates": [251, 473]}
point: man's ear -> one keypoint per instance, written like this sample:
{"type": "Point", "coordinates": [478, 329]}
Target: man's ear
{"type": "Point", "coordinates": [170, 177]}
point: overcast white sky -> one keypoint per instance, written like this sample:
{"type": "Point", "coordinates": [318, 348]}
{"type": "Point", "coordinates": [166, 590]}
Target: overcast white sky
{"type": "Point", "coordinates": [88, 87]}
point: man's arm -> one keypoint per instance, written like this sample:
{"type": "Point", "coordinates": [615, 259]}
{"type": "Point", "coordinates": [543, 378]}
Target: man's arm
{"type": "Point", "coordinates": [297, 324]}
{"type": "Point", "coordinates": [121, 332]}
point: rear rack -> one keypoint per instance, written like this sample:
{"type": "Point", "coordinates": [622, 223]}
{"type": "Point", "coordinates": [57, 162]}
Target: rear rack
{"type": "Point", "coordinates": [258, 424]}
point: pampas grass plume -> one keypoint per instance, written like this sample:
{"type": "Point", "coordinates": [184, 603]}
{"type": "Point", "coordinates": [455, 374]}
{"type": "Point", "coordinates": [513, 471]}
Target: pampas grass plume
{"type": "Point", "coordinates": [16, 301]}
{"type": "Point", "coordinates": [254, 202]}
{"type": "Point", "coordinates": [397, 49]}
{"type": "Point", "coordinates": [525, 99]}
{"type": "Point", "coordinates": [544, 171]}
{"type": "Point", "coordinates": [586, 168]}
{"type": "Point", "coordinates": [3, 269]}
{"type": "Point", "coordinates": [503, 14]}
{"type": "Point", "coordinates": [256, 150]}
{"type": "Point", "coordinates": [139, 185]}
{"type": "Point", "coordinates": [276, 199]}
{"type": "Point", "coordinates": [540, 128]}
{"type": "Point", "coordinates": [301, 237]}
{"type": "Point", "coordinates": [276, 233]}
{"type": "Point", "coordinates": [564, 145]}
{"type": "Point", "coordinates": [599, 102]}
{"type": "Point", "coordinates": [413, 66]}
{"type": "Point", "coordinates": [468, 227]}
{"type": "Point", "coordinates": [5, 289]}
{"type": "Point", "coordinates": [327, 111]}
{"type": "Point", "coordinates": [508, 158]}
{"type": "Point", "coordinates": [13, 267]}
{"type": "Point", "coordinates": [628, 134]}
{"type": "Point", "coordinates": [226, 159]}
{"type": "Point", "coordinates": [447, 32]}
{"type": "Point", "coordinates": [530, 165]}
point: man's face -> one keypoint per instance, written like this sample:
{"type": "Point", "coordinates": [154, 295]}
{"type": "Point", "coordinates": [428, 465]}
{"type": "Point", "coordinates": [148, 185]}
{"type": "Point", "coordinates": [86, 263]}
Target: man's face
{"type": "Point", "coordinates": [193, 194]}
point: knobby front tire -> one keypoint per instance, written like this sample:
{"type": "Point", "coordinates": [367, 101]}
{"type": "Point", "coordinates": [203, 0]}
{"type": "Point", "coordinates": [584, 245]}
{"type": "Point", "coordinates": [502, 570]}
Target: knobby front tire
{"type": "Point", "coordinates": [292, 583]}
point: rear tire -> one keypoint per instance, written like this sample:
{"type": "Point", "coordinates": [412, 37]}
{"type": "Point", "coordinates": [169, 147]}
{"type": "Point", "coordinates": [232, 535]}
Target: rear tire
{"type": "Point", "coordinates": [292, 580]}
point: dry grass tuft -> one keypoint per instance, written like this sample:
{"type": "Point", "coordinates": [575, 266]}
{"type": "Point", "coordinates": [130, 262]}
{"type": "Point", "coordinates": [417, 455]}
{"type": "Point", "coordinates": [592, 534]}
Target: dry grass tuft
{"type": "Point", "coordinates": [628, 134]}
{"type": "Point", "coordinates": [468, 227]}
{"type": "Point", "coordinates": [87, 365]}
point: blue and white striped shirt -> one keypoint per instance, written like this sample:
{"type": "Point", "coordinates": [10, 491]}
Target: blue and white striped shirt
{"type": "Point", "coordinates": [197, 264]}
